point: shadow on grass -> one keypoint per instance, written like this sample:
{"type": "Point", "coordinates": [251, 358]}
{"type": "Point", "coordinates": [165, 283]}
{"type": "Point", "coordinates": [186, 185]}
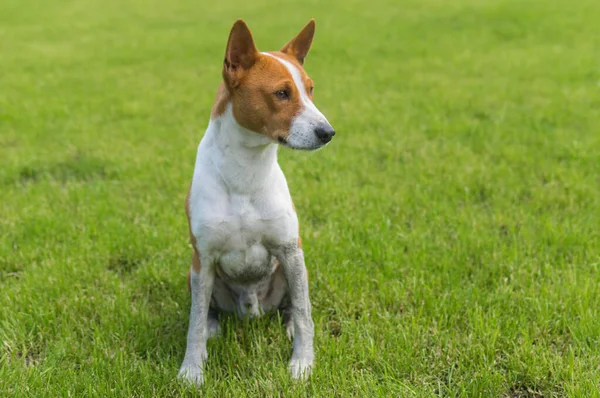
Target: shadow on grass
{"type": "Point", "coordinates": [76, 168]}
{"type": "Point", "coordinates": [124, 264]}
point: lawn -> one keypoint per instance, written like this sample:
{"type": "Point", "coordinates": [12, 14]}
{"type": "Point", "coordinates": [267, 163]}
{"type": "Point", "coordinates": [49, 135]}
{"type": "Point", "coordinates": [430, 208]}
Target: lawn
{"type": "Point", "coordinates": [451, 229]}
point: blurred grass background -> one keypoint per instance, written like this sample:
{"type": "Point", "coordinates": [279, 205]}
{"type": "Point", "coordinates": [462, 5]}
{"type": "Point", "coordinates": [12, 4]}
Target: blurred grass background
{"type": "Point", "coordinates": [450, 230]}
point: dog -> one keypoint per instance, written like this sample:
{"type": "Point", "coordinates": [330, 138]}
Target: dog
{"type": "Point", "coordinates": [247, 252]}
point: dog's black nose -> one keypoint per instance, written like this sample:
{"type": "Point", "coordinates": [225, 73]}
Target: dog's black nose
{"type": "Point", "coordinates": [324, 133]}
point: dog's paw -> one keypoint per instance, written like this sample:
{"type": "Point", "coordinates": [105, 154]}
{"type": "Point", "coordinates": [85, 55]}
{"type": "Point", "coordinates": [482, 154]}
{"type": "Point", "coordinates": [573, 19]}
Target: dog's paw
{"type": "Point", "coordinates": [192, 373]}
{"type": "Point", "coordinates": [300, 368]}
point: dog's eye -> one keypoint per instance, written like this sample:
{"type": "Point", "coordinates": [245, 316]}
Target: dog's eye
{"type": "Point", "coordinates": [282, 94]}
{"type": "Point", "coordinates": [311, 90]}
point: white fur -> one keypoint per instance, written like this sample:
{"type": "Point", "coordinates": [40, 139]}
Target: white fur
{"type": "Point", "coordinates": [239, 197]}
{"type": "Point", "coordinates": [241, 215]}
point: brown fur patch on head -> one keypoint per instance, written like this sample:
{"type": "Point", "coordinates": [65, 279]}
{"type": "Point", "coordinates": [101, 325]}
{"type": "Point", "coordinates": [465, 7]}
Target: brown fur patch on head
{"type": "Point", "coordinates": [256, 105]}
{"type": "Point", "coordinates": [252, 79]}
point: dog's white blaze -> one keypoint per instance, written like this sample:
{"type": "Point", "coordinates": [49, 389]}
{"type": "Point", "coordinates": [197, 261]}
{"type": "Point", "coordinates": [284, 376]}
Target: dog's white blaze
{"type": "Point", "coordinates": [306, 101]}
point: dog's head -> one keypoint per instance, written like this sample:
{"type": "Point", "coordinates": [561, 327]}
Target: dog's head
{"type": "Point", "coordinates": [270, 93]}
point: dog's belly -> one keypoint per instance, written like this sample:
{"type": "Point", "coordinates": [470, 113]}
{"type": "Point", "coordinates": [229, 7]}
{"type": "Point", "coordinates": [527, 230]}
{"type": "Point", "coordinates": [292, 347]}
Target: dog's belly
{"type": "Point", "coordinates": [249, 265]}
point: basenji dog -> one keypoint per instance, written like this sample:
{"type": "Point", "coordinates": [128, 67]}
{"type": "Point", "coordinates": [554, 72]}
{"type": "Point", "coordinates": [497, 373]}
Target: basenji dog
{"type": "Point", "coordinates": [248, 254]}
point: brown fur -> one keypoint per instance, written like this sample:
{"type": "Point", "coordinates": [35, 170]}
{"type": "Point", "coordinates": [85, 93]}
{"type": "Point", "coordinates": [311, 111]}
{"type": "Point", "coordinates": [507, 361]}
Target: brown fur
{"type": "Point", "coordinates": [224, 96]}
{"type": "Point", "coordinates": [299, 46]}
{"type": "Point", "coordinates": [255, 105]}
{"type": "Point", "coordinates": [221, 102]}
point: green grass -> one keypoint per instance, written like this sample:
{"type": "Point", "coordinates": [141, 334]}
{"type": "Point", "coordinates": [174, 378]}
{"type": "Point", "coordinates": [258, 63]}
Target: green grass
{"type": "Point", "coordinates": [451, 230]}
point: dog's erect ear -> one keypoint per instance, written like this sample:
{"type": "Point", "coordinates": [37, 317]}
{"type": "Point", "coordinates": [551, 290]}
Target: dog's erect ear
{"type": "Point", "coordinates": [241, 53]}
{"type": "Point", "coordinates": [300, 45]}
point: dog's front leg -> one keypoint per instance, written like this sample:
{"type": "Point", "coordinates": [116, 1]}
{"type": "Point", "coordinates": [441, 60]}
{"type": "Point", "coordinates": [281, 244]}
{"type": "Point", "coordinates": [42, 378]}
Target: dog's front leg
{"type": "Point", "coordinates": [292, 260]}
{"type": "Point", "coordinates": [195, 354]}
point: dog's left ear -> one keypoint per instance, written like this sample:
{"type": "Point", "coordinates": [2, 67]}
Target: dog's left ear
{"type": "Point", "coordinates": [240, 55]}
{"type": "Point", "coordinates": [300, 45]}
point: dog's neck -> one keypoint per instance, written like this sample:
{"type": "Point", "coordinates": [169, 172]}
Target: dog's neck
{"type": "Point", "coordinates": [245, 159]}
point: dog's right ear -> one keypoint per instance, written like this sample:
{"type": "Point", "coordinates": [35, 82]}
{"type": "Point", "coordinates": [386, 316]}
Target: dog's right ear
{"type": "Point", "coordinates": [299, 46]}
{"type": "Point", "coordinates": [241, 53]}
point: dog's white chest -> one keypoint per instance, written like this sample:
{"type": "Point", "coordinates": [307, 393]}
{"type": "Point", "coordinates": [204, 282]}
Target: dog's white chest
{"type": "Point", "coordinates": [240, 206]}
{"type": "Point", "coordinates": [238, 231]}
{"type": "Point", "coordinates": [241, 240]}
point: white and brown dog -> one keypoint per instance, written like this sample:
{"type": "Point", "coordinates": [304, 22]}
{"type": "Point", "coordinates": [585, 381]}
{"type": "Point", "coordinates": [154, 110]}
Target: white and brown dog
{"type": "Point", "coordinates": [244, 229]}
